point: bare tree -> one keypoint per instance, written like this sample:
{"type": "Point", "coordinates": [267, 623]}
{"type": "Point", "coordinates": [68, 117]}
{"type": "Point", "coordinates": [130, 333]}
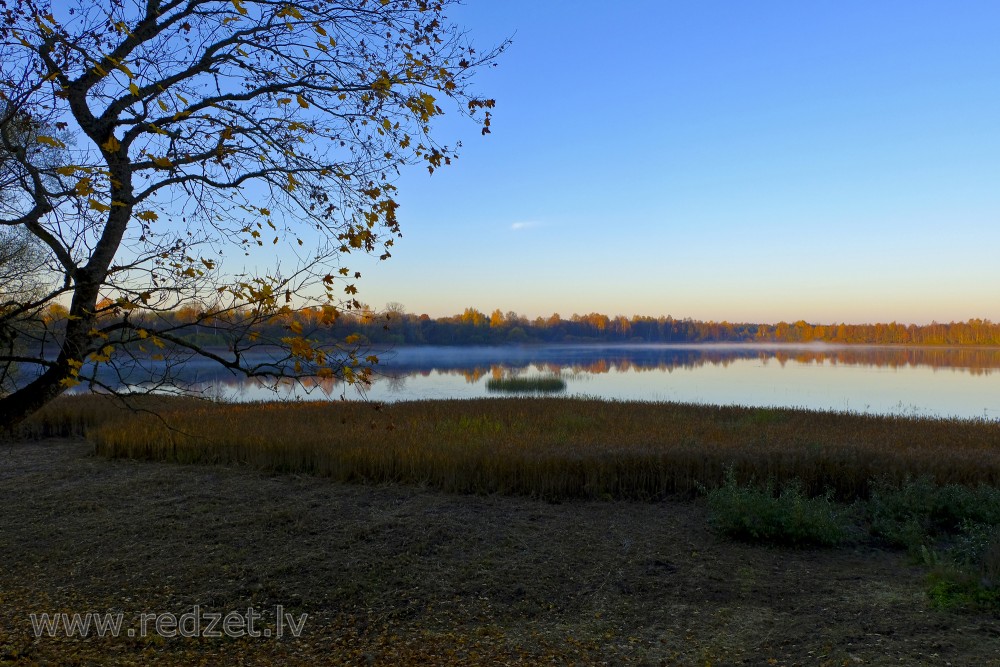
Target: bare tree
{"type": "Point", "coordinates": [194, 134]}
{"type": "Point", "coordinates": [23, 272]}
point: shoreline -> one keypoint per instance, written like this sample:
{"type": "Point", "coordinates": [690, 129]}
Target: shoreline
{"type": "Point", "coordinates": [393, 574]}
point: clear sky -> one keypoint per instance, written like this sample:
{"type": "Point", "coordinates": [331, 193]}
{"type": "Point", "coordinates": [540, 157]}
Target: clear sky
{"type": "Point", "coordinates": [741, 161]}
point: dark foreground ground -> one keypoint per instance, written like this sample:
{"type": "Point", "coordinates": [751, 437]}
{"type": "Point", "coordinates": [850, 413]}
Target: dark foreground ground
{"type": "Point", "coordinates": [399, 575]}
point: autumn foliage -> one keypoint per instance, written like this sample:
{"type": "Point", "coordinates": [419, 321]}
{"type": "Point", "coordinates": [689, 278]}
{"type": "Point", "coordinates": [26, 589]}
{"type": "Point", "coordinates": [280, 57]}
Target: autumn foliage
{"type": "Point", "coordinates": [164, 153]}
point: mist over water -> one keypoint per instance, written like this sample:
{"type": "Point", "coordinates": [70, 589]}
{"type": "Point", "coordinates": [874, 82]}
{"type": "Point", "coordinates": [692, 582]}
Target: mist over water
{"type": "Point", "coordinates": [915, 381]}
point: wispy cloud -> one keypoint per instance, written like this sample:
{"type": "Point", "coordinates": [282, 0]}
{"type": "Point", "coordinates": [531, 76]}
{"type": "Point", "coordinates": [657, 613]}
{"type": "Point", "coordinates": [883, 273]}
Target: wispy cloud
{"type": "Point", "coordinates": [518, 226]}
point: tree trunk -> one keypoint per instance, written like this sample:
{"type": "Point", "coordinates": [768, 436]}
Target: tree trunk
{"type": "Point", "coordinates": [30, 398]}
{"type": "Point", "coordinates": [27, 400]}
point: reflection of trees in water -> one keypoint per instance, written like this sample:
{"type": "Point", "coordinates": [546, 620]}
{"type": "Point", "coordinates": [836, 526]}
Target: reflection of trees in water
{"type": "Point", "coordinates": [396, 383]}
{"type": "Point", "coordinates": [582, 362]}
{"type": "Point", "coordinates": [229, 385]}
{"type": "Point", "coordinates": [978, 361]}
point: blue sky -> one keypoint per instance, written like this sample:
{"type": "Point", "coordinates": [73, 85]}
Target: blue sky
{"type": "Point", "coordinates": [827, 161]}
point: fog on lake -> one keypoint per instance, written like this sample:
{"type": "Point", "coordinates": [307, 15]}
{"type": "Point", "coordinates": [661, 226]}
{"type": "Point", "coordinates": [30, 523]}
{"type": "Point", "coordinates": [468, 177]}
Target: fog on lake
{"type": "Point", "coordinates": [919, 381]}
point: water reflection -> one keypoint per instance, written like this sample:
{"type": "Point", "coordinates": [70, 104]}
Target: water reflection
{"type": "Point", "coordinates": [928, 381]}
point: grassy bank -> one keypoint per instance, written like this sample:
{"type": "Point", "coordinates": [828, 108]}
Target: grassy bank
{"type": "Point", "coordinates": [549, 448]}
{"type": "Point", "coordinates": [787, 477]}
{"type": "Point", "coordinates": [402, 575]}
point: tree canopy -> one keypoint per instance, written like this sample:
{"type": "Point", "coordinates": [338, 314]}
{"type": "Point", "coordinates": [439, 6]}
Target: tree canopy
{"type": "Point", "coordinates": [158, 151]}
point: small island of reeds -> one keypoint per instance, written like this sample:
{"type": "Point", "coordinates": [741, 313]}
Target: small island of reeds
{"type": "Point", "coordinates": [519, 385]}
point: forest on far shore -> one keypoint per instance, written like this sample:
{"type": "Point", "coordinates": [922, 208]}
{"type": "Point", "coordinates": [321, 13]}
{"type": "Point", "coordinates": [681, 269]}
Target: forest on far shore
{"type": "Point", "coordinates": [472, 327]}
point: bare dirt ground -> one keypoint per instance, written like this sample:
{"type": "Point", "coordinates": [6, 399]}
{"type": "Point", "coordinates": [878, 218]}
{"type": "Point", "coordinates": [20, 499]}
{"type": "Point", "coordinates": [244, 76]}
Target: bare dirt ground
{"type": "Point", "coordinates": [402, 575]}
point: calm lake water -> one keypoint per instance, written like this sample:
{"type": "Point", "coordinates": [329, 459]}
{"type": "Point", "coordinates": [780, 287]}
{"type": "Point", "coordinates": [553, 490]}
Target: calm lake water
{"type": "Point", "coordinates": [924, 381]}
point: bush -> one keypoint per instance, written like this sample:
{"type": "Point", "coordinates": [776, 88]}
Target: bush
{"type": "Point", "coordinates": [955, 531]}
{"type": "Point", "coordinates": [790, 517]}
{"type": "Point", "coordinates": [919, 512]}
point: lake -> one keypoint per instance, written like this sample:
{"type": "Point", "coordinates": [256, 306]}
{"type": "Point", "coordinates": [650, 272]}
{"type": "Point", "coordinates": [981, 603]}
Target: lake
{"type": "Point", "coordinates": [918, 381]}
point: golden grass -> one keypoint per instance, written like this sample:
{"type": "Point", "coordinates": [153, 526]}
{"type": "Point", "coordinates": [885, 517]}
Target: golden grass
{"type": "Point", "coordinates": [545, 447]}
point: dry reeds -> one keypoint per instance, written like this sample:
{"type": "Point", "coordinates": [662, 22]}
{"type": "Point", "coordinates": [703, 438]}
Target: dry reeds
{"type": "Point", "coordinates": [556, 448]}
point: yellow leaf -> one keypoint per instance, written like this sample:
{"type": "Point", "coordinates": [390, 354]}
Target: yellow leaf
{"type": "Point", "coordinates": [143, 333]}
{"type": "Point", "coordinates": [163, 162]}
{"type": "Point", "coordinates": [239, 7]}
{"type": "Point", "coordinates": [98, 206]}
{"type": "Point", "coordinates": [66, 171]}
{"type": "Point", "coordinates": [69, 382]}
{"type": "Point", "coordinates": [296, 327]}
{"type": "Point", "coordinates": [83, 186]}
{"type": "Point", "coordinates": [148, 216]}
{"type": "Point", "coordinates": [289, 10]}
{"type": "Point", "coordinates": [50, 141]}
{"type": "Point", "coordinates": [302, 101]}
{"type": "Point", "coordinates": [162, 105]}
{"type": "Point", "coordinates": [111, 145]}
{"type": "Point", "coordinates": [134, 89]}
{"type": "Point", "coordinates": [104, 355]}
{"type": "Point", "coordinates": [319, 29]}
{"type": "Point", "coordinates": [284, 100]}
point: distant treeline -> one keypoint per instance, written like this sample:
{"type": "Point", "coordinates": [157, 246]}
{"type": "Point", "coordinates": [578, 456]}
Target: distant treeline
{"type": "Point", "coordinates": [394, 326]}
{"type": "Point", "coordinates": [472, 327]}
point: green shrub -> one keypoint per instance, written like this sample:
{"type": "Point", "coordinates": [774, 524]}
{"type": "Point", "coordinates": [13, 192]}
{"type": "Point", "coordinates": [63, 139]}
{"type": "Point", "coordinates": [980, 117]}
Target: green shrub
{"type": "Point", "coordinates": [919, 512]}
{"type": "Point", "coordinates": [790, 517]}
{"type": "Point", "coordinates": [955, 531]}
{"type": "Point", "coordinates": [952, 587]}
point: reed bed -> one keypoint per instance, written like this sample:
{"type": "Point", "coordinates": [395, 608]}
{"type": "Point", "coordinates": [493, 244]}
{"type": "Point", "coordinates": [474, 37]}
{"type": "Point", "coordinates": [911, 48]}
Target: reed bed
{"type": "Point", "coordinates": [76, 415]}
{"type": "Point", "coordinates": [553, 447]}
{"type": "Point", "coordinates": [526, 385]}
